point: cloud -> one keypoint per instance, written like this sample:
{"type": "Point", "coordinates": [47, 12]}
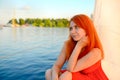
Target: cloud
{"type": "Point", "coordinates": [25, 8]}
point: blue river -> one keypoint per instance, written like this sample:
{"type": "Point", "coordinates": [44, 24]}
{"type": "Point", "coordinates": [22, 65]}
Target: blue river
{"type": "Point", "coordinates": [27, 52]}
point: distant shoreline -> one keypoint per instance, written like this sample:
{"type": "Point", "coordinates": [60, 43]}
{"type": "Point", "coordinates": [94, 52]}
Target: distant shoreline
{"type": "Point", "coordinates": [60, 22]}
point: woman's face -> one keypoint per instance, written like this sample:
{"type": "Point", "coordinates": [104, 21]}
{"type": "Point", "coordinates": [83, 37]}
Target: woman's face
{"type": "Point", "coordinates": [76, 32]}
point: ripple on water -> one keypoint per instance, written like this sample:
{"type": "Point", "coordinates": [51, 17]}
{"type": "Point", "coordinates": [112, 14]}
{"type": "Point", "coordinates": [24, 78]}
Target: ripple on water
{"type": "Point", "coordinates": [25, 53]}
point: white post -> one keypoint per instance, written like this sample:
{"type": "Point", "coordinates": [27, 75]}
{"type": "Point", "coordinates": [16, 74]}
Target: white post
{"type": "Point", "coordinates": [106, 18]}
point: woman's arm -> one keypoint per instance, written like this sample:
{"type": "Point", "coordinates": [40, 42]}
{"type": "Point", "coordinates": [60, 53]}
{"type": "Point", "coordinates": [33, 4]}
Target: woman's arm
{"type": "Point", "coordinates": [76, 52]}
{"type": "Point", "coordinates": [88, 60]}
{"type": "Point", "coordinates": [58, 64]}
{"type": "Point", "coordinates": [73, 58]}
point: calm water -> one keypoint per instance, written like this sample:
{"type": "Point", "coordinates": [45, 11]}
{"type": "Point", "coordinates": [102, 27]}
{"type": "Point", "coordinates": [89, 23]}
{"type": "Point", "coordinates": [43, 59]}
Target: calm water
{"type": "Point", "coordinates": [25, 53]}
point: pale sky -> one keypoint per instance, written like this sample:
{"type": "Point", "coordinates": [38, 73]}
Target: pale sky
{"type": "Point", "coordinates": [44, 8]}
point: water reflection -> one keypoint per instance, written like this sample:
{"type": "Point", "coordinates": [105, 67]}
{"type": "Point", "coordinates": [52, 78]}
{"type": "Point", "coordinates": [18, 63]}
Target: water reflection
{"type": "Point", "coordinates": [26, 52]}
{"type": "Point", "coordinates": [14, 33]}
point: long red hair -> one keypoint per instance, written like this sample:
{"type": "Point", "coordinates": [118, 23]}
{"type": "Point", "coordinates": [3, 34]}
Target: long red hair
{"type": "Point", "coordinates": [86, 23]}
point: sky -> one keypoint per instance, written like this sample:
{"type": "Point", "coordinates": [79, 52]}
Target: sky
{"type": "Point", "coordinates": [44, 9]}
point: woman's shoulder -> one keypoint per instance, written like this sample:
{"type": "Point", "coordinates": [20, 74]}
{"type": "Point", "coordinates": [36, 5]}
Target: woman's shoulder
{"type": "Point", "coordinates": [95, 50]}
{"type": "Point", "coordinates": [66, 43]}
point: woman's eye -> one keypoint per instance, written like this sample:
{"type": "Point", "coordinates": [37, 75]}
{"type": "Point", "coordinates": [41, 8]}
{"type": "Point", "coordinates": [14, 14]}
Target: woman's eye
{"type": "Point", "coordinates": [70, 28]}
{"type": "Point", "coordinates": [76, 27]}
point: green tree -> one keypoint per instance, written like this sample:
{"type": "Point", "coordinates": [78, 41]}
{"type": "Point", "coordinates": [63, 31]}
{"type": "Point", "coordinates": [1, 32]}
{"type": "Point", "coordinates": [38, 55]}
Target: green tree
{"type": "Point", "coordinates": [43, 22]}
{"type": "Point", "coordinates": [21, 21]}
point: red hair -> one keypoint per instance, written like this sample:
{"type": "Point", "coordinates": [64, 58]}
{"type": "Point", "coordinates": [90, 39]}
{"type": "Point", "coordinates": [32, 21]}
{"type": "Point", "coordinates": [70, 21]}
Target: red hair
{"type": "Point", "coordinates": [86, 23]}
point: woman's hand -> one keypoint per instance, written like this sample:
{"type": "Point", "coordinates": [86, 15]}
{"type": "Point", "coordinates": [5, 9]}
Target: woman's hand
{"type": "Point", "coordinates": [66, 76]}
{"type": "Point", "coordinates": [83, 42]}
{"type": "Point", "coordinates": [76, 52]}
{"type": "Point", "coordinates": [55, 78]}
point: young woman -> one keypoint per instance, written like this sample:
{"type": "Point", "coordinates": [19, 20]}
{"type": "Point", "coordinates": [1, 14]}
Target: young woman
{"type": "Point", "coordinates": [82, 51]}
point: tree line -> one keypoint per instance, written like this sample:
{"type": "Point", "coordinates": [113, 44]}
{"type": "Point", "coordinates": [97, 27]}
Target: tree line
{"type": "Point", "coordinates": [41, 22]}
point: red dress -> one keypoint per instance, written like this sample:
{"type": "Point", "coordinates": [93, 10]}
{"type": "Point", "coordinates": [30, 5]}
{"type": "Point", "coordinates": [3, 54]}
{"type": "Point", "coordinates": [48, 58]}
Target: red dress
{"type": "Point", "coordinates": [94, 72]}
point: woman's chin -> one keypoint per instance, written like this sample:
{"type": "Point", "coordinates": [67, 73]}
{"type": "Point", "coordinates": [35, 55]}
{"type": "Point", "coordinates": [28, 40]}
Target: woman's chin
{"type": "Point", "coordinates": [76, 39]}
